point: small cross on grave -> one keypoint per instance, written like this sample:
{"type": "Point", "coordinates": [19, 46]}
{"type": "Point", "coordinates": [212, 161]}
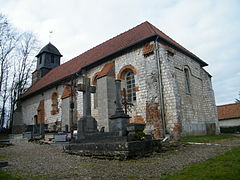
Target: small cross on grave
{"type": "Point", "coordinates": [86, 124]}
{"type": "Point", "coordinates": [127, 105]}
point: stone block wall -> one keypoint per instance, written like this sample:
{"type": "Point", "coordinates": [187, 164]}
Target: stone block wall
{"type": "Point", "coordinates": [187, 113]}
{"type": "Point", "coordinates": [30, 107]}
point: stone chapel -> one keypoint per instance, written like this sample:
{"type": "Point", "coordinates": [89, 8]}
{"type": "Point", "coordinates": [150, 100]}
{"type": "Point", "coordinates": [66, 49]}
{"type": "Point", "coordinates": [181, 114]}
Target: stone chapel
{"type": "Point", "coordinates": [165, 86]}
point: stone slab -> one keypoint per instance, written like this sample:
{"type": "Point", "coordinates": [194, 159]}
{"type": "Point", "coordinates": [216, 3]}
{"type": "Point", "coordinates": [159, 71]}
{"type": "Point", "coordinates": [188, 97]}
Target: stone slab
{"type": "Point", "coordinates": [115, 150]}
{"type": "Point", "coordinates": [27, 135]}
{"type": "Point", "coordinates": [60, 138]}
{"type": "Point", "coordinates": [102, 137]}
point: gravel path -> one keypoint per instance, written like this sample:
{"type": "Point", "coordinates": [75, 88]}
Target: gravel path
{"type": "Point", "coordinates": [34, 161]}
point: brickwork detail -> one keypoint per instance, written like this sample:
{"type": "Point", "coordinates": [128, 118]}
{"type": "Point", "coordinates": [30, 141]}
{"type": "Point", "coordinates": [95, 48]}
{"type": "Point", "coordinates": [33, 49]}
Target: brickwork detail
{"type": "Point", "coordinates": [153, 118]}
{"type": "Point", "coordinates": [123, 70]}
{"type": "Point", "coordinates": [139, 119]}
{"type": "Point", "coordinates": [41, 113]}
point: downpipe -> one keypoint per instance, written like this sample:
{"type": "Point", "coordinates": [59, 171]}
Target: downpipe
{"type": "Point", "coordinates": [160, 88]}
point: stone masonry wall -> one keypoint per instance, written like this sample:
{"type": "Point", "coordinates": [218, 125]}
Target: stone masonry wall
{"type": "Point", "coordinates": [30, 105]}
{"type": "Point", "coordinates": [195, 111]}
{"type": "Point", "coordinates": [172, 101]}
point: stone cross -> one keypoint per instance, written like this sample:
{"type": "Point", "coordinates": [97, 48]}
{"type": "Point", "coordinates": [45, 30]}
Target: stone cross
{"type": "Point", "coordinates": [86, 124]}
{"type": "Point", "coordinates": [87, 89]}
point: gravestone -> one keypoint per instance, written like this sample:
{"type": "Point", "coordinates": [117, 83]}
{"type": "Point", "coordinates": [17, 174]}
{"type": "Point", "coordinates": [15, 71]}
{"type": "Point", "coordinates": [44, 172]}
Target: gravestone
{"type": "Point", "coordinates": [120, 120]}
{"type": "Point", "coordinates": [86, 124]}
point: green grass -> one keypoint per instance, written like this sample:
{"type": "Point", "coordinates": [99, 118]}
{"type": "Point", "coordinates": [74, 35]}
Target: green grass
{"type": "Point", "coordinates": [207, 139]}
{"type": "Point", "coordinates": [8, 176]}
{"type": "Point", "coordinates": [221, 167]}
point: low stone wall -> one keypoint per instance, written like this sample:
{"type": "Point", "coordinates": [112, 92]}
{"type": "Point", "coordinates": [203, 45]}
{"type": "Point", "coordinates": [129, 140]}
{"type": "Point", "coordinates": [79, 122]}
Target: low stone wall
{"type": "Point", "coordinates": [115, 150]}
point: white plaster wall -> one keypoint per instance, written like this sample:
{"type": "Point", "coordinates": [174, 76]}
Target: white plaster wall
{"type": "Point", "coordinates": [229, 122]}
{"type": "Point", "coordinates": [30, 105]}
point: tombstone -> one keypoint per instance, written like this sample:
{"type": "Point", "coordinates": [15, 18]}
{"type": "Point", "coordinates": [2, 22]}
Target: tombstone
{"type": "Point", "coordinates": [66, 128]}
{"type": "Point", "coordinates": [120, 120]}
{"type": "Point", "coordinates": [42, 130]}
{"type": "Point", "coordinates": [86, 124]}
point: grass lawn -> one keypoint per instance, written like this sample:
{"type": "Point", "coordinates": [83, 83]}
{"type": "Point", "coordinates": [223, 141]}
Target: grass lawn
{"type": "Point", "coordinates": [7, 176]}
{"type": "Point", "coordinates": [207, 139]}
{"type": "Point", "coordinates": [221, 167]}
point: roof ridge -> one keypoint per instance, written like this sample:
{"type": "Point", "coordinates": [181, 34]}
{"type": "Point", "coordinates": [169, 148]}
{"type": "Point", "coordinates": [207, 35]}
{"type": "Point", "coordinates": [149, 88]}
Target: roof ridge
{"type": "Point", "coordinates": [150, 27]}
{"type": "Point", "coordinates": [228, 104]}
{"type": "Point", "coordinates": [110, 39]}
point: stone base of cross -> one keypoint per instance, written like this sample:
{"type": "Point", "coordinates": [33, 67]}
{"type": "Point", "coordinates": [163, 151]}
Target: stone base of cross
{"type": "Point", "coordinates": [86, 124]}
{"type": "Point", "coordinates": [120, 120]}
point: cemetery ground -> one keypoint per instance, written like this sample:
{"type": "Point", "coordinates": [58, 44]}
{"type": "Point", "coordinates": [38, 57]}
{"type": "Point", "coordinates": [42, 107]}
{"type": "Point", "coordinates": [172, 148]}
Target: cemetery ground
{"type": "Point", "coordinates": [217, 158]}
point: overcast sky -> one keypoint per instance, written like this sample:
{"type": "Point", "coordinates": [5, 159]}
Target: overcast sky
{"type": "Point", "coordinates": [208, 28]}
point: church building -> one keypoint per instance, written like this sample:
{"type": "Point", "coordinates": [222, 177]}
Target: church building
{"type": "Point", "coordinates": [164, 86]}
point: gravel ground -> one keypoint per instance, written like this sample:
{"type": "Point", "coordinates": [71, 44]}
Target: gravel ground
{"type": "Point", "coordinates": [35, 161]}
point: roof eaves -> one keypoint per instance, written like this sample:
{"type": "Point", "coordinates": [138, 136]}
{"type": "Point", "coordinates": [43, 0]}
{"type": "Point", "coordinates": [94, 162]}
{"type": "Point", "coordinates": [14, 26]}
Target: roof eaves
{"type": "Point", "coordinates": [184, 51]}
{"type": "Point", "coordinates": [118, 51]}
{"type": "Point", "coordinates": [48, 86]}
{"type": "Point", "coordinates": [89, 65]}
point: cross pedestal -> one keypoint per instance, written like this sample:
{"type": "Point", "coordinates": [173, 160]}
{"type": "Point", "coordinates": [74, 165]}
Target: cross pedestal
{"type": "Point", "coordinates": [120, 120]}
{"type": "Point", "coordinates": [86, 124]}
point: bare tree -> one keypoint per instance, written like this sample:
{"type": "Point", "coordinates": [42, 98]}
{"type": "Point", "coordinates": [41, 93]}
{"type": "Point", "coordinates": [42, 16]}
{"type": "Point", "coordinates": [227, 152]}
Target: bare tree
{"type": "Point", "coordinates": [23, 66]}
{"type": "Point", "coordinates": [17, 52]}
{"type": "Point", "coordinates": [4, 96]}
{"type": "Point", "coordinates": [237, 100]}
{"type": "Point", "coordinates": [8, 42]}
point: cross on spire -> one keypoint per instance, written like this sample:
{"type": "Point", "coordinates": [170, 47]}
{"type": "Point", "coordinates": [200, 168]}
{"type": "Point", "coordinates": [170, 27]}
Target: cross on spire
{"type": "Point", "coordinates": [50, 33]}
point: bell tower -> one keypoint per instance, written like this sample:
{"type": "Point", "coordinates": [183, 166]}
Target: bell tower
{"type": "Point", "coordinates": [47, 59]}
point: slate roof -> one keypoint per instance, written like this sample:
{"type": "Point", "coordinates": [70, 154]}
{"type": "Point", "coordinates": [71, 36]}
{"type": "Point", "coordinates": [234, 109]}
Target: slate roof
{"type": "Point", "coordinates": [110, 47]}
{"type": "Point", "coordinates": [50, 49]}
{"type": "Point", "coordinates": [228, 111]}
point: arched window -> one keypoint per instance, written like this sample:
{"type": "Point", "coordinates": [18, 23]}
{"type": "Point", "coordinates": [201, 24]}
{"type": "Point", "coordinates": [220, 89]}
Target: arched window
{"type": "Point", "coordinates": [54, 103]}
{"type": "Point", "coordinates": [187, 81]}
{"type": "Point", "coordinates": [130, 86]}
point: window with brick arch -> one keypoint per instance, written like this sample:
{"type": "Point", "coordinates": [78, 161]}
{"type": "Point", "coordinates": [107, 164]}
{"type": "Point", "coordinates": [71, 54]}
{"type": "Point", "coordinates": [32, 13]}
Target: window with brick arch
{"type": "Point", "coordinates": [130, 86]}
{"type": "Point", "coordinates": [54, 103]}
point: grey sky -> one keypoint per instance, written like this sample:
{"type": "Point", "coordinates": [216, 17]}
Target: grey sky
{"type": "Point", "coordinates": [208, 28]}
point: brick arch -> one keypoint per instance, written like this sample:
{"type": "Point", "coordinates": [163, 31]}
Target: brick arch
{"type": "Point", "coordinates": [122, 71]}
{"type": "Point", "coordinates": [54, 98]}
{"type": "Point", "coordinates": [94, 78]}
